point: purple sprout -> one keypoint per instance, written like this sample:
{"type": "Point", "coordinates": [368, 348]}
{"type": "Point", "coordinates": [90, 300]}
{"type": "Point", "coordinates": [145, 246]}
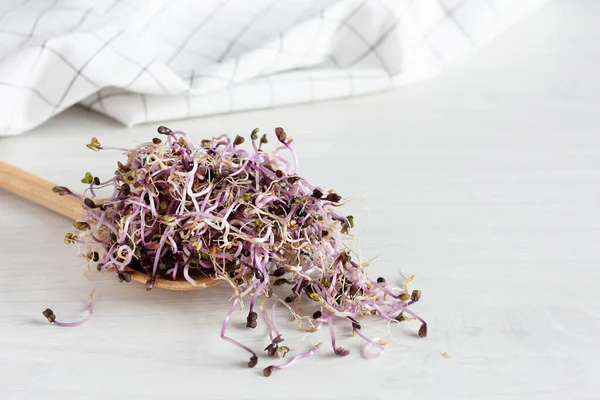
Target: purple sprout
{"type": "Point", "coordinates": [269, 370]}
{"type": "Point", "coordinates": [254, 356]}
{"type": "Point", "coordinates": [340, 351]}
{"type": "Point", "coordinates": [273, 348]}
{"type": "Point", "coordinates": [370, 343]}
{"type": "Point", "coordinates": [49, 314]}
{"type": "Point", "coordinates": [182, 212]}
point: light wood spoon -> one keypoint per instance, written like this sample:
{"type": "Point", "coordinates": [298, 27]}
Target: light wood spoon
{"type": "Point", "coordinates": [39, 191]}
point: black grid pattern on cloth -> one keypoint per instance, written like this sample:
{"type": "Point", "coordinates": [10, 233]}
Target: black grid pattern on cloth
{"type": "Point", "coordinates": [139, 63]}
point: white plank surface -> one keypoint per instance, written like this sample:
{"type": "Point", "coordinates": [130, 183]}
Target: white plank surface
{"type": "Point", "coordinates": [484, 182]}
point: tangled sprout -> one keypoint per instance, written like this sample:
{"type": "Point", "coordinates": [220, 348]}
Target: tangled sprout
{"type": "Point", "coordinates": [182, 212]}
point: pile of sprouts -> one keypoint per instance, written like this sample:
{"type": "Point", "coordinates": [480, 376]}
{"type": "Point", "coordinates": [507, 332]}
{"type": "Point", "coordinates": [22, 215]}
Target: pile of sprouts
{"type": "Point", "coordinates": [182, 212]}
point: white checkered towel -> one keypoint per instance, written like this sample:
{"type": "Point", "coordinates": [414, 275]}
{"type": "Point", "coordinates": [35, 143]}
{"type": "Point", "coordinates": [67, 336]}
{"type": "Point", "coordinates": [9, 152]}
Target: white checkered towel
{"type": "Point", "coordinates": [140, 60]}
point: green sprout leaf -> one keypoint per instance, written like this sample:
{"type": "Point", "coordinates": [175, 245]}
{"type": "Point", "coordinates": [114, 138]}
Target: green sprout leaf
{"type": "Point", "coordinates": [283, 350]}
{"type": "Point", "coordinates": [168, 218]}
{"type": "Point", "coordinates": [70, 238]}
{"type": "Point", "coordinates": [61, 190]}
{"type": "Point", "coordinates": [314, 296]}
{"type": "Point", "coordinates": [88, 178]}
{"type": "Point", "coordinates": [350, 219]}
{"type": "Point", "coordinates": [129, 177]}
{"type": "Point", "coordinates": [94, 145]}
{"type": "Point", "coordinates": [82, 226]}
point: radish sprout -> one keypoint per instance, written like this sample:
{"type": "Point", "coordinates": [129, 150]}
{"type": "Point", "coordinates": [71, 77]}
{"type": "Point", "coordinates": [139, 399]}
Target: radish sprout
{"type": "Point", "coordinates": [182, 212]}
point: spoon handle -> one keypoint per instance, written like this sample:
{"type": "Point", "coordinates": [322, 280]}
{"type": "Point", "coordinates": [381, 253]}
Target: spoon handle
{"type": "Point", "coordinates": [37, 190]}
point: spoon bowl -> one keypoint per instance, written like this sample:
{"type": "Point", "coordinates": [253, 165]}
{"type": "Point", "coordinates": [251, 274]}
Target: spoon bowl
{"type": "Point", "coordinates": [33, 188]}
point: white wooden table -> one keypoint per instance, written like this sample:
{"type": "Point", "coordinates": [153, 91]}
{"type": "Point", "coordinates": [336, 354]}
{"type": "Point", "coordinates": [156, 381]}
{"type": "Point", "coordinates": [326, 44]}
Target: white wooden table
{"type": "Point", "coordinates": [484, 182]}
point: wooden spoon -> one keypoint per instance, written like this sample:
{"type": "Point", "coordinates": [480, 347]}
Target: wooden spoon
{"type": "Point", "coordinates": [39, 191]}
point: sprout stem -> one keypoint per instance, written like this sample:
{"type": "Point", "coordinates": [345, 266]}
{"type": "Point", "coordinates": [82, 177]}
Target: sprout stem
{"type": "Point", "coordinates": [233, 341]}
{"type": "Point", "coordinates": [268, 370]}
